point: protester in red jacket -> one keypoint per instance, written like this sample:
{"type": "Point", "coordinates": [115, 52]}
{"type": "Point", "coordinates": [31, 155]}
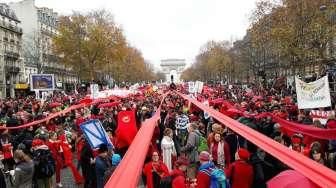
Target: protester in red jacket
{"type": "Point", "coordinates": [240, 172]}
{"type": "Point", "coordinates": [67, 154]}
{"type": "Point", "coordinates": [156, 166]}
{"type": "Point", "coordinates": [220, 151]}
{"type": "Point", "coordinates": [55, 147]}
{"type": "Point", "coordinates": [178, 174]}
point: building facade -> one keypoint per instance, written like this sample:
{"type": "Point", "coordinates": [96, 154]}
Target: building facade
{"type": "Point", "coordinates": [11, 61]}
{"type": "Point", "coordinates": [39, 25]}
{"type": "Point", "coordinates": [173, 68]}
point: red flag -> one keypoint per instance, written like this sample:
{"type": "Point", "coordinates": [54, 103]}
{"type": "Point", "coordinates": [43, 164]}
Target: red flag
{"type": "Point", "coordinates": [126, 130]}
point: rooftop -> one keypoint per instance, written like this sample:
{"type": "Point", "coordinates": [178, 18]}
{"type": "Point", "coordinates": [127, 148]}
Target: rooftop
{"type": "Point", "coordinates": [172, 62]}
{"type": "Point", "coordinates": [6, 11]}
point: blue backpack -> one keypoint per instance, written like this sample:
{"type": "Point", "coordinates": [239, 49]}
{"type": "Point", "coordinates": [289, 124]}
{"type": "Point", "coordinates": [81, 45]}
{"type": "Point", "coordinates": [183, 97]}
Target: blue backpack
{"type": "Point", "coordinates": [218, 178]}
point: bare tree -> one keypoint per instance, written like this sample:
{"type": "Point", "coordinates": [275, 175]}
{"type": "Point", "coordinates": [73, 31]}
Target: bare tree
{"type": "Point", "coordinates": [33, 48]}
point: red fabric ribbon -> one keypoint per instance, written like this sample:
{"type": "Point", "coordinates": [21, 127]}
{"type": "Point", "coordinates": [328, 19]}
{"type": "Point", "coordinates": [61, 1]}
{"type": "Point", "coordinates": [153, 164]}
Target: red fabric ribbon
{"type": "Point", "coordinates": [316, 172]}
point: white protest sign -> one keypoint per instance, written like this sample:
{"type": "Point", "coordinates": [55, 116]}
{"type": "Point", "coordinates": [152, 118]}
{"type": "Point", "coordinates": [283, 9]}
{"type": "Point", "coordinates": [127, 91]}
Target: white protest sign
{"type": "Point", "coordinates": [314, 94]}
{"type": "Point", "coordinates": [191, 87]}
{"type": "Point", "coordinates": [94, 88]}
{"type": "Point", "coordinates": [199, 86]}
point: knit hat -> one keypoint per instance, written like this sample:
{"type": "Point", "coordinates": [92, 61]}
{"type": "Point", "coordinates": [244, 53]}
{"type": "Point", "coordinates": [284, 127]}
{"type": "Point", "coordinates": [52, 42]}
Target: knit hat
{"type": "Point", "coordinates": [116, 159]}
{"type": "Point", "coordinates": [182, 161]}
{"type": "Point", "coordinates": [204, 156]}
{"type": "Point", "coordinates": [243, 154]}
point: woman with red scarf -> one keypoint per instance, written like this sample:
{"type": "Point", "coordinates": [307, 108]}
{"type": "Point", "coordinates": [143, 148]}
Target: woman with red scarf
{"type": "Point", "coordinates": [155, 170]}
{"type": "Point", "coordinates": [220, 151]}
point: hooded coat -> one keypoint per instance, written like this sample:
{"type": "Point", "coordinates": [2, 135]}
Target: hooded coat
{"type": "Point", "coordinates": [241, 174]}
{"type": "Point", "coordinates": [23, 175]}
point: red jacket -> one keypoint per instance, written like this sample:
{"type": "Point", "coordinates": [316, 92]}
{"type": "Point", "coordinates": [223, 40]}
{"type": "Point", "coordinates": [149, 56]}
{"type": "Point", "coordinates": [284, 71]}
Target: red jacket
{"type": "Point", "coordinates": [203, 180]}
{"type": "Point", "coordinates": [161, 168]}
{"type": "Point", "coordinates": [241, 174]}
{"type": "Point", "coordinates": [226, 149]}
{"type": "Point", "coordinates": [66, 148]}
{"type": "Point", "coordinates": [179, 180]}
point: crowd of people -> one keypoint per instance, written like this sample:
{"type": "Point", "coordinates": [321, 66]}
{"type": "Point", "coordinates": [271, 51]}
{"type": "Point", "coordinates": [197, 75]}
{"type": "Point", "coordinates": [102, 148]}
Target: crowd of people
{"type": "Point", "coordinates": [196, 150]}
{"type": "Point", "coordinates": [34, 156]}
{"type": "Point", "coordinates": [189, 148]}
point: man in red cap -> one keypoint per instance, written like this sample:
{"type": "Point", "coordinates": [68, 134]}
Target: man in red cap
{"type": "Point", "coordinates": [240, 172]}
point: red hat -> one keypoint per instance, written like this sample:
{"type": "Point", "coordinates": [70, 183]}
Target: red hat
{"type": "Point", "coordinates": [37, 142]}
{"type": "Point", "coordinates": [296, 140]}
{"type": "Point", "coordinates": [182, 161]}
{"type": "Point", "coordinates": [243, 154]}
{"type": "Point", "coordinates": [204, 156]}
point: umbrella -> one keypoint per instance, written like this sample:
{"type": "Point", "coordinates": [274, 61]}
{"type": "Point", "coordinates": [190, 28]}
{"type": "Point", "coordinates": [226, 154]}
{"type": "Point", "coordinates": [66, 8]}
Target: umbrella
{"type": "Point", "coordinates": [290, 179]}
{"type": "Point", "coordinates": [55, 105]}
{"type": "Point", "coordinates": [109, 105]}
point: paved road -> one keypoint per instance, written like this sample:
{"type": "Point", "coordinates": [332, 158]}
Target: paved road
{"type": "Point", "coordinates": [67, 179]}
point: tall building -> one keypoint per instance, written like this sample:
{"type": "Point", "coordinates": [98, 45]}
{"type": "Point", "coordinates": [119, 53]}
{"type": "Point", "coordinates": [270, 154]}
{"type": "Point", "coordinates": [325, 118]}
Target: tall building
{"type": "Point", "coordinates": [39, 26]}
{"type": "Point", "coordinates": [11, 64]}
{"type": "Point", "coordinates": [173, 69]}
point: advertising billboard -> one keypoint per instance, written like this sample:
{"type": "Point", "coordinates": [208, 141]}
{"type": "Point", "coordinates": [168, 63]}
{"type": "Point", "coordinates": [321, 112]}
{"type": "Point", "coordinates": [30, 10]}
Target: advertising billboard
{"type": "Point", "coordinates": [42, 82]}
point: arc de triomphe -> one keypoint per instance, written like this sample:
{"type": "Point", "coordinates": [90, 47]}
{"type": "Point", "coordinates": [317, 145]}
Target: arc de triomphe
{"type": "Point", "coordinates": [173, 68]}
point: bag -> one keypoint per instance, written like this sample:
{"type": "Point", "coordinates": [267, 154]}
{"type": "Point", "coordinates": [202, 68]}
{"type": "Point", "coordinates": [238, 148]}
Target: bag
{"type": "Point", "coordinates": [218, 178]}
{"type": "Point", "coordinates": [202, 144]}
{"type": "Point", "coordinates": [44, 164]}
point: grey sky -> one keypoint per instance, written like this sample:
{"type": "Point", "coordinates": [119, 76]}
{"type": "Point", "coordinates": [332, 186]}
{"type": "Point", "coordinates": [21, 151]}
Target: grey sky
{"type": "Point", "coordinates": [169, 28]}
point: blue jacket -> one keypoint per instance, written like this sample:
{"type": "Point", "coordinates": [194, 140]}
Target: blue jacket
{"type": "Point", "coordinates": [101, 166]}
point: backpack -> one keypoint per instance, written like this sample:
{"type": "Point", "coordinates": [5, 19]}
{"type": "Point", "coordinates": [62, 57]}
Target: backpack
{"type": "Point", "coordinates": [44, 164]}
{"type": "Point", "coordinates": [202, 144]}
{"type": "Point", "coordinates": [217, 178]}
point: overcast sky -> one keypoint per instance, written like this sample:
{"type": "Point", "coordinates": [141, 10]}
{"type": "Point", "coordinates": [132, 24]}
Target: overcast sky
{"type": "Point", "coordinates": [168, 28]}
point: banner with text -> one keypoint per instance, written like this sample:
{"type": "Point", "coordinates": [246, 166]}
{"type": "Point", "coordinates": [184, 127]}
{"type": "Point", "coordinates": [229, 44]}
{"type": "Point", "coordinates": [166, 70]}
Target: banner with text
{"type": "Point", "coordinates": [314, 94]}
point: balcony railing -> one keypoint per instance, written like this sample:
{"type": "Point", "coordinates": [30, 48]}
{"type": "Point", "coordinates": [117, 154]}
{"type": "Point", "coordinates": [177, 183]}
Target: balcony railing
{"type": "Point", "coordinates": [12, 55]}
{"type": "Point", "coordinates": [13, 69]}
{"type": "Point", "coordinates": [11, 27]}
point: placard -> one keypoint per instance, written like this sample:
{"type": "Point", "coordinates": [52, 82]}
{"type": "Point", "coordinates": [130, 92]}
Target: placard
{"type": "Point", "coordinates": [95, 134]}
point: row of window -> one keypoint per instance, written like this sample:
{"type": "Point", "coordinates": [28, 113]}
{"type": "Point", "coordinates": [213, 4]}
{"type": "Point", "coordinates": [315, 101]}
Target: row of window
{"type": "Point", "coordinates": [47, 18]}
{"type": "Point", "coordinates": [8, 36]}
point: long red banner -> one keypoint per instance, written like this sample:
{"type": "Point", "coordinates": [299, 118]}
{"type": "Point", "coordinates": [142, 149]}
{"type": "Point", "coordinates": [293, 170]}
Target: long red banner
{"type": "Point", "coordinates": [128, 172]}
{"type": "Point", "coordinates": [316, 172]}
